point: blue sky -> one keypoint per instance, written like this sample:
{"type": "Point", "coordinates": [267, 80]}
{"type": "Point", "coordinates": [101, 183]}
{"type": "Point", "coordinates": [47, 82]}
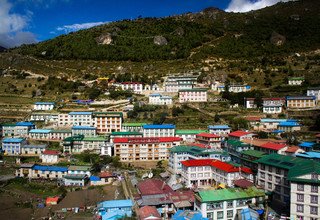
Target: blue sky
{"type": "Point", "coordinates": [28, 21]}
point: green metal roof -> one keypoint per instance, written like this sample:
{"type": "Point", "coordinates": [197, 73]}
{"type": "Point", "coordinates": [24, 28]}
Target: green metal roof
{"type": "Point", "coordinates": [125, 133]}
{"type": "Point", "coordinates": [81, 168]}
{"type": "Point", "coordinates": [309, 167]}
{"type": "Point", "coordinates": [94, 139]}
{"type": "Point", "coordinates": [282, 161]}
{"type": "Point", "coordinates": [296, 78]}
{"type": "Point", "coordinates": [235, 143]}
{"type": "Point", "coordinates": [253, 153]}
{"type": "Point", "coordinates": [74, 138]}
{"type": "Point", "coordinates": [134, 124]}
{"type": "Point", "coordinates": [187, 149]}
{"type": "Point", "coordinates": [75, 177]}
{"type": "Point", "coordinates": [229, 194]}
{"type": "Point", "coordinates": [180, 132]}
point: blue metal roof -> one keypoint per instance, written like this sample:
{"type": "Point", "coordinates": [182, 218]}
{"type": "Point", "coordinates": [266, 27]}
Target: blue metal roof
{"type": "Point", "coordinates": [188, 215]}
{"type": "Point", "coordinates": [306, 144]}
{"type": "Point", "coordinates": [12, 140]}
{"type": "Point", "coordinates": [83, 128]}
{"type": "Point", "coordinates": [50, 168]}
{"type": "Point", "coordinates": [80, 113]}
{"type": "Point", "coordinates": [24, 123]}
{"type": "Point", "coordinates": [289, 124]}
{"type": "Point", "coordinates": [115, 203]}
{"type": "Point", "coordinates": [277, 131]}
{"type": "Point", "coordinates": [218, 127]}
{"type": "Point", "coordinates": [35, 146]}
{"type": "Point", "coordinates": [164, 126]}
{"type": "Point", "coordinates": [249, 214]}
{"type": "Point", "coordinates": [273, 120]}
{"type": "Point", "coordinates": [155, 94]}
{"type": "Point", "coordinates": [94, 178]}
{"type": "Point", "coordinates": [44, 103]}
{"type": "Point", "coordinates": [300, 97]}
{"type": "Point", "coordinates": [310, 154]}
{"type": "Point", "coordinates": [46, 131]}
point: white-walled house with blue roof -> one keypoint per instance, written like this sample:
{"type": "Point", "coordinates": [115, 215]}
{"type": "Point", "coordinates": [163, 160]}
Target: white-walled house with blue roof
{"type": "Point", "coordinates": [158, 99]}
{"type": "Point", "coordinates": [89, 131]}
{"type": "Point", "coordinates": [115, 209]}
{"type": "Point", "coordinates": [43, 106]}
{"type": "Point", "coordinates": [12, 146]}
{"type": "Point", "coordinates": [164, 130]}
{"type": "Point", "coordinates": [34, 171]}
{"type": "Point", "coordinates": [289, 126]}
{"type": "Point", "coordinates": [40, 134]}
{"type": "Point", "coordinates": [19, 129]}
{"type": "Point", "coordinates": [221, 130]}
{"type": "Point", "coordinates": [33, 149]}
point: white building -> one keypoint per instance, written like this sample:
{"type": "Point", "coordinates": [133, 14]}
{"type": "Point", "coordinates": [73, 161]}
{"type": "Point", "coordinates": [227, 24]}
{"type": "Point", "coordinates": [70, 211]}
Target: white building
{"type": "Point", "coordinates": [188, 135]}
{"type": "Point", "coordinates": [84, 130]}
{"type": "Point", "coordinates": [164, 130]}
{"type": "Point", "coordinates": [136, 87]}
{"type": "Point", "coordinates": [221, 130]}
{"type": "Point", "coordinates": [33, 150]}
{"type": "Point", "coordinates": [193, 95]}
{"type": "Point", "coordinates": [50, 156]}
{"type": "Point", "coordinates": [78, 180]}
{"type": "Point", "coordinates": [40, 134]}
{"type": "Point", "coordinates": [250, 103]}
{"type": "Point", "coordinates": [158, 99]}
{"type": "Point", "coordinates": [43, 106]}
{"type": "Point", "coordinates": [79, 143]}
{"type": "Point", "coordinates": [226, 203]}
{"type": "Point", "coordinates": [44, 117]}
{"type": "Point", "coordinates": [133, 127]}
{"type": "Point", "coordinates": [175, 83]}
{"type": "Point", "coordinates": [80, 118]}
{"type": "Point", "coordinates": [315, 91]}
{"type": "Point", "coordinates": [83, 170]}
{"type": "Point", "coordinates": [204, 172]}
{"type": "Point", "coordinates": [19, 129]}
{"type": "Point", "coordinates": [240, 135]}
{"type": "Point", "coordinates": [60, 134]}
{"type": "Point", "coordinates": [295, 81]}
{"type": "Point", "coordinates": [12, 146]}
{"type": "Point", "coordinates": [39, 171]}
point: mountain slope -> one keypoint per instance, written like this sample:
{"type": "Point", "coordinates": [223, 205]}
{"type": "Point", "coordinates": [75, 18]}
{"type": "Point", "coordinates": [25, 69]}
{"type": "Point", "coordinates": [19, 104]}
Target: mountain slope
{"type": "Point", "coordinates": [2, 49]}
{"type": "Point", "coordinates": [278, 30]}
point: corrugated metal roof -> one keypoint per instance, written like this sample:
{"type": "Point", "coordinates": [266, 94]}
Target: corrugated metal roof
{"type": "Point", "coordinates": [163, 126]}
{"type": "Point", "coordinates": [50, 168]}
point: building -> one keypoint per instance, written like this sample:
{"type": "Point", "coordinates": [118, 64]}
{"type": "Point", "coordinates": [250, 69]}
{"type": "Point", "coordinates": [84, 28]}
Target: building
{"type": "Point", "coordinates": [304, 191]}
{"type": "Point", "coordinates": [164, 130]}
{"type": "Point", "coordinates": [40, 134]}
{"type": "Point", "coordinates": [301, 101]}
{"type": "Point", "coordinates": [114, 209]}
{"type": "Point", "coordinates": [188, 215]}
{"type": "Point", "coordinates": [118, 134]}
{"type": "Point", "coordinates": [76, 170]}
{"type": "Point", "coordinates": [295, 81]}
{"type": "Point", "coordinates": [78, 180]}
{"type": "Point", "coordinates": [44, 117]}
{"type": "Point", "coordinates": [175, 83]}
{"type": "Point", "coordinates": [212, 140]}
{"type": "Point", "coordinates": [240, 135]}
{"type": "Point", "coordinates": [148, 213]}
{"type": "Point", "coordinates": [80, 143]}
{"type": "Point", "coordinates": [32, 150]}
{"type": "Point", "coordinates": [43, 106]}
{"type": "Point", "coordinates": [271, 148]}
{"type": "Point", "coordinates": [84, 130]}
{"type": "Point", "coordinates": [193, 95]}
{"type": "Point", "coordinates": [250, 103]}
{"type": "Point", "coordinates": [135, 87]}
{"type": "Point", "coordinates": [273, 175]}
{"type": "Point", "coordinates": [50, 156]}
{"type": "Point", "coordinates": [80, 118]}
{"type": "Point", "coordinates": [188, 135]}
{"type": "Point", "coordinates": [137, 127]}
{"type": "Point", "coordinates": [19, 129]}
{"type": "Point", "coordinates": [107, 122]}
{"type": "Point", "coordinates": [221, 130]}
{"type": "Point", "coordinates": [235, 148]}
{"type": "Point", "coordinates": [60, 134]}
{"type": "Point", "coordinates": [182, 153]}
{"type": "Point", "coordinates": [12, 146]}
{"type": "Point", "coordinates": [273, 105]}
{"type": "Point", "coordinates": [314, 91]}
{"type": "Point", "coordinates": [34, 171]}
{"type": "Point", "coordinates": [204, 172]}
{"type": "Point", "coordinates": [144, 149]}
{"type": "Point", "coordinates": [248, 159]}
{"type": "Point", "coordinates": [226, 203]}
{"type": "Point", "coordinates": [289, 126]}
{"type": "Point", "coordinates": [158, 99]}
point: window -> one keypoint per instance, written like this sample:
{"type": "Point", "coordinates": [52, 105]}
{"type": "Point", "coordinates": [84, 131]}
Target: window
{"type": "Point", "coordinates": [300, 187]}
{"type": "Point", "coordinates": [220, 215]}
{"type": "Point", "coordinates": [299, 217]}
{"type": "Point", "coordinates": [269, 177]}
{"type": "Point", "coordinates": [314, 199]}
{"type": "Point", "coordinates": [278, 180]}
{"type": "Point", "coordinates": [299, 208]}
{"type": "Point", "coordinates": [230, 213]}
{"type": "Point", "coordinates": [270, 168]}
{"type": "Point", "coordinates": [278, 171]}
{"type": "Point", "coordinates": [263, 167]}
{"type": "Point", "coordinates": [269, 185]}
{"type": "Point", "coordinates": [314, 188]}
{"type": "Point", "coordinates": [262, 175]}
{"type": "Point", "coordinates": [314, 176]}
{"type": "Point", "coordinates": [300, 197]}
{"type": "Point", "coordinates": [314, 210]}
{"type": "Point", "coordinates": [278, 189]}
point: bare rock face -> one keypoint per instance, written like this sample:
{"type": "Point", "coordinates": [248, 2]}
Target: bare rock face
{"type": "Point", "coordinates": [160, 40]}
{"type": "Point", "coordinates": [104, 39]}
{"type": "Point", "coordinates": [277, 39]}
{"type": "Point", "coordinates": [179, 31]}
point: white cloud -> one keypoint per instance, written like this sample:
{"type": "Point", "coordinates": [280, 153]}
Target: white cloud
{"type": "Point", "coordinates": [76, 27]}
{"type": "Point", "coordinates": [249, 5]}
{"type": "Point", "coordinates": [12, 27]}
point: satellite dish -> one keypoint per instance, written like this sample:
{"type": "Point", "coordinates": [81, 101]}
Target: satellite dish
{"type": "Point", "coordinates": [150, 175]}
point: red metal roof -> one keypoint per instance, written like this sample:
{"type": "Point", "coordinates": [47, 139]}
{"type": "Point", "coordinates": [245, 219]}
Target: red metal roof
{"type": "Point", "coordinates": [207, 135]}
{"type": "Point", "coordinates": [146, 139]}
{"type": "Point", "coordinates": [217, 164]}
{"type": "Point", "coordinates": [153, 187]}
{"type": "Point", "coordinates": [253, 118]}
{"type": "Point", "coordinates": [273, 146]}
{"type": "Point", "coordinates": [199, 145]}
{"type": "Point", "coordinates": [243, 183]}
{"type": "Point", "coordinates": [292, 149]}
{"type": "Point", "coordinates": [51, 152]}
{"type": "Point", "coordinates": [105, 174]}
{"type": "Point", "coordinates": [148, 211]}
{"type": "Point", "coordinates": [239, 133]}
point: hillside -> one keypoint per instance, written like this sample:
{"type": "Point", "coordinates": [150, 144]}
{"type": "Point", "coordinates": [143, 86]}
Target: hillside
{"type": "Point", "coordinates": [277, 30]}
{"type": "Point", "coordinates": [2, 49]}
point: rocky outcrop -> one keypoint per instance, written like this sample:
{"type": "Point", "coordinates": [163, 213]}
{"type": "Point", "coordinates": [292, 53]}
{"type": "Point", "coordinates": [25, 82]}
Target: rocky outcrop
{"type": "Point", "coordinates": [104, 39]}
{"type": "Point", "coordinates": [277, 39]}
{"type": "Point", "coordinates": [160, 40]}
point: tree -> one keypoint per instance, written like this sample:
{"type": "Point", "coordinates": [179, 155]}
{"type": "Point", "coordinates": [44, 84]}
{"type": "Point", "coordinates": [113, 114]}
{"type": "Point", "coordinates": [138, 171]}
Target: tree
{"type": "Point", "coordinates": [216, 118]}
{"type": "Point", "coordinates": [94, 93]}
{"type": "Point", "coordinates": [262, 134]}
